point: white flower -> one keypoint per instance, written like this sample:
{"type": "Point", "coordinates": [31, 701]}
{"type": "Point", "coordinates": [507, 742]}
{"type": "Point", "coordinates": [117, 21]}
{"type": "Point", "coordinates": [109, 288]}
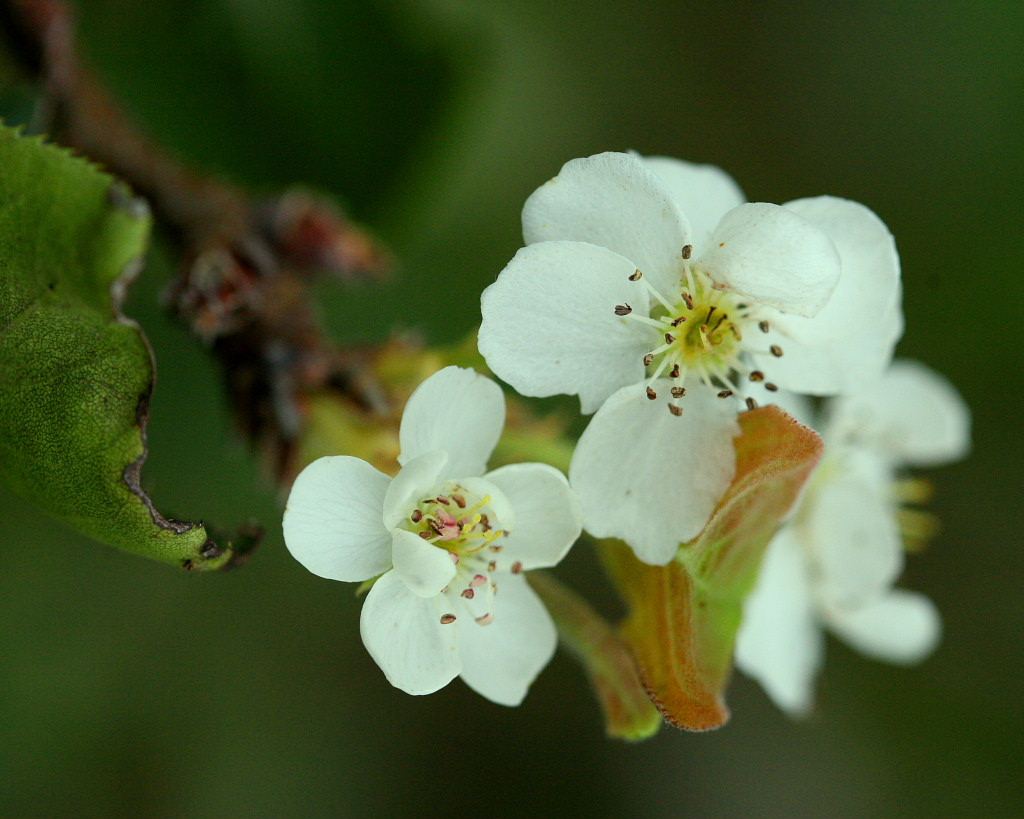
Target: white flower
{"type": "Point", "coordinates": [647, 279]}
{"type": "Point", "coordinates": [449, 546]}
{"type": "Point", "coordinates": [833, 564]}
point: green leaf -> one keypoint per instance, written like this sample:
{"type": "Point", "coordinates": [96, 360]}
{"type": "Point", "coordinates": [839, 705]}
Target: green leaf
{"type": "Point", "coordinates": [684, 616]}
{"type": "Point", "coordinates": [75, 375]}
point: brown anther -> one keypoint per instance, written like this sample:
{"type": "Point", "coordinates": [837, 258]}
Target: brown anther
{"type": "Point", "coordinates": [676, 411]}
{"type": "Point", "coordinates": [426, 535]}
{"type": "Point", "coordinates": [517, 567]}
{"type": "Point", "coordinates": [485, 522]}
{"type": "Point", "coordinates": [446, 619]}
{"type": "Point", "coordinates": [764, 326]}
{"type": "Point", "coordinates": [687, 251]}
{"type": "Point", "coordinates": [495, 548]}
{"type": "Point", "coordinates": [677, 321]}
{"type": "Point", "coordinates": [652, 394]}
{"type": "Point", "coordinates": [416, 516]}
{"type": "Point", "coordinates": [469, 594]}
{"type": "Point", "coordinates": [776, 350]}
{"type": "Point", "coordinates": [635, 277]}
{"type": "Point", "coordinates": [669, 338]}
{"type": "Point", "coordinates": [437, 526]}
{"type": "Point", "coordinates": [444, 500]}
{"type": "Point", "coordinates": [751, 404]}
{"type": "Point", "coordinates": [477, 581]}
{"type": "Point", "coordinates": [674, 372]}
{"type": "Point", "coordinates": [492, 565]}
{"type": "Point", "coordinates": [688, 299]}
{"type": "Point", "coordinates": [486, 619]}
{"type": "Point", "coordinates": [494, 588]}
{"type": "Point", "coordinates": [623, 309]}
{"type": "Point", "coordinates": [459, 501]}
{"type": "Point", "coordinates": [678, 392]}
{"type": "Point", "coordinates": [725, 393]}
{"type": "Point", "coordinates": [648, 359]}
{"type": "Point", "coordinates": [768, 385]}
{"type": "Point", "coordinates": [757, 375]}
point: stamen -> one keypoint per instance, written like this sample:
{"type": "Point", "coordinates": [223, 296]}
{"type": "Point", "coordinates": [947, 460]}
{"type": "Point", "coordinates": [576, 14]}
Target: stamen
{"type": "Point", "coordinates": [735, 330]}
{"type": "Point", "coordinates": [416, 516]}
{"type": "Point", "coordinates": [725, 393]}
{"type": "Point", "coordinates": [764, 326]}
{"type": "Point", "coordinates": [751, 404]}
{"type": "Point", "coordinates": [675, 409]}
{"type": "Point", "coordinates": [768, 385]}
{"type": "Point", "coordinates": [486, 619]}
{"type": "Point", "coordinates": [670, 339]}
{"type": "Point", "coordinates": [469, 594]}
{"type": "Point", "coordinates": [635, 277]}
{"type": "Point", "coordinates": [446, 619]}
{"type": "Point", "coordinates": [477, 581]}
{"type": "Point", "coordinates": [492, 565]}
{"type": "Point", "coordinates": [757, 375]}
{"type": "Point", "coordinates": [677, 321]}
{"type": "Point", "coordinates": [495, 548]}
{"type": "Point", "coordinates": [623, 309]}
{"type": "Point", "coordinates": [517, 567]}
{"type": "Point", "coordinates": [651, 394]}
{"type": "Point", "coordinates": [444, 500]}
{"type": "Point", "coordinates": [675, 372]}
{"type": "Point", "coordinates": [426, 535]}
{"type": "Point", "coordinates": [776, 350]}
{"type": "Point", "coordinates": [459, 501]}
{"type": "Point", "coordinates": [687, 251]}
{"type": "Point", "coordinates": [688, 299]}
{"type": "Point", "coordinates": [648, 359]}
{"type": "Point", "coordinates": [678, 392]}
{"type": "Point", "coordinates": [711, 312]}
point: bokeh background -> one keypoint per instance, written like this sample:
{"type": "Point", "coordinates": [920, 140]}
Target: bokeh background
{"type": "Point", "coordinates": [128, 689]}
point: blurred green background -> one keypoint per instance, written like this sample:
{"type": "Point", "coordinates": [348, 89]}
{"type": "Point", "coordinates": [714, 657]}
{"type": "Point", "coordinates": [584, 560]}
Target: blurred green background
{"type": "Point", "coordinates": [130, 690]}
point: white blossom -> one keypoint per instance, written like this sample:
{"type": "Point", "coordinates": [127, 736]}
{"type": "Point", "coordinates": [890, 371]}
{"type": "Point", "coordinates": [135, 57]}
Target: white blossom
{"type": "Point", "coordinates": [447, 544]}
{"type": "Point", "coordinates": [651, 290]}
{"type": "Point", "coordinates": [834, 563]}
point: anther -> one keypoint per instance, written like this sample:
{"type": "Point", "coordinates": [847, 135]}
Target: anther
{"type": "Point", "coordinates": [469, 594]}
{"type": "Point", "coordinates": [444, 499]}
{"type": "Point", "coordinates": [676, 411]}
{"type": "Point", "coordinates": [485, 522]}
{"type": "Point", "coordinates": [623, 309]}
{"type": "Point", "coordinates": [427, 535]}
{"type": "Point", "coordinates": [776, 350]}
{"type": "Point", "coordinates": [497, 549]}
{"type": "Point", "coordinates": [768, 385]}
{"type": "Point", "coordinates": [517, 567]}
{"type": "Point", "coordinates": [477, 581]}
{"type": "Point", "coordinates": [416, 516]}
{"type": "Point", "coordinates": [688, 299]}
{"type": "Point", "coordinates": [676, 322]}
{"type": "Point", "coordinates": [669, 338]}
{"type": "Point", "coordinates": [725, 393]}
{"type": "Point", "coordinates": [687, 251]}
{"type": "Point", "coordinates": [764, 326]}
{"type": "Point", "coordinates": [648, 359]}
{"type": "Point", "coordinates": [674, 373]}
{"type": "Point", "coordinates": [635, 277]}
{"type": "Point", "coordinates": [651, 394]}
{"type": "Point", "coordinates": [757, 375]}
{"type": "Point", "coordinates": [492, 566]}
{"type": "Point", "coordinates": [447, 618]}
{"type": "Point", "coordinates": [486, 619]}
{"type": "Point", "coordinates": [751, 404]}
{"type": "Point", "coordinates": [678, 392]}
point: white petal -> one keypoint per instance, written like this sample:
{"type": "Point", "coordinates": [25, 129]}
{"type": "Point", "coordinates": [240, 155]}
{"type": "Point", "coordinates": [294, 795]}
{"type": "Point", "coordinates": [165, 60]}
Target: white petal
{"type": "Point", "coordinates": [457, 411]}
{"type": "Point", "coordinates": [549, 324]}
{"type": "Point", "coordinates": [500, 660]}
{"type": "Point", "coordinates": [780, 643]}
{"type": "Point", "coordinates": [404, 635]}
{"type": "Point", "coordinates": [704, 193]}
{"type": "Point", "coordinates": [902, 627]}
{"type": "Point", "coordinates": [614, 201]}
{"type": "Point", "coordinates": [419, 479]}
{"type": "Point", "coordinates": [649, 477]}
{"type": "Point", "coordinates": [501, 513]}
{"type": "Point", "coordinates": [332, 521]}
{"type": "Point", "coordinates": [548, 514]}
{"type": "Point", "coordinates": [912, 413]}
{"type": "Point", "coordinates": [425, 568]}
{"type": "Point", "coordinates": [850, 342]}
{"type": "Point", "coordinates": [851, 522]}
{"type": "Point", "coordinates": [772, 256]}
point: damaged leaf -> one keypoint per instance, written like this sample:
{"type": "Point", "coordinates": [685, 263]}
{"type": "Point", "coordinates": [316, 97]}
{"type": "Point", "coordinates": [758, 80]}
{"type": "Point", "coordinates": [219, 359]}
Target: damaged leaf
{"type": "Point", "coordinates": [75, 375]}
{"type": "Point", "coordinates": [684, 616]}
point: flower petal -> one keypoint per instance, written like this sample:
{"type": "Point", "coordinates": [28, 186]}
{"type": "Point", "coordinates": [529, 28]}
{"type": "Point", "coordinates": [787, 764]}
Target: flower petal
{"type": "Point", "coordinates": [419, 478]}
{"type": "Point", "coordinates": [649, 477]}
{"type": "Point", "coordinates": [772, 256]}
{"type": "Point", "coordinates": [425, 568]}
{"type": "Point", "coordinates": [850, 342]}
{"type": "Point", "coordinates": [614, 201]}
{"type": "Point", "coordinates": [498, 508]}
{"type": "Point", "coordinates": [912, 413]}
{"type": "Point", "coordinates": [851, 522]}
{"type": "Point", "coordinates": [704, 193]}
{"type": "Point", "coordinates": [780, 643]}
{"type": "Point", "coordinates": [457, 411]}
{"type": "Point", "coordinates": [548, 519]}
{"type": "Point", "coordinates": [501, 660]}
{"type": "Point", "coordinates": [902, 627]}
{"type": "Point", "coordinates": [549, 323]}
{"type": "Point", "coordinates": [404, 635]}
{"type": "Point", "coordinates": [332, 521]}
